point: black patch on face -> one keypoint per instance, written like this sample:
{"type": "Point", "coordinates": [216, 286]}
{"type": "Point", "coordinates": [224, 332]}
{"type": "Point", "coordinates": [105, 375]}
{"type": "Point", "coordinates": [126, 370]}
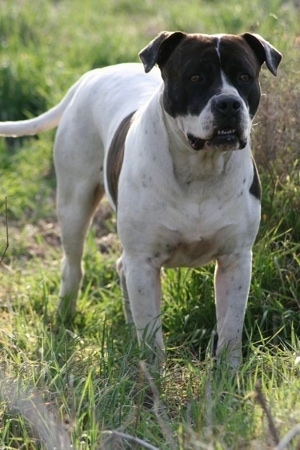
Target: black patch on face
{"type": "Point", "coordinates": [195, 55]}
{"type": "Point", "coordinates": [115, 157]}
{"type": "Point", "coordinates": [255, 188]}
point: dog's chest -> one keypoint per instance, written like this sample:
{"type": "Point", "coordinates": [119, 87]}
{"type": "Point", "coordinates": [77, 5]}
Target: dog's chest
{"type": "Point", "coordinates": [190, 253]}
{"type": "Point", "coordinates": [193, 237]}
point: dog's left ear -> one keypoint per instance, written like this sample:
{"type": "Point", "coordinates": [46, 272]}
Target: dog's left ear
{"type": "Point", "coordinates": [264, 51]}
{"type": "Point", "coordinates": [160, 48]}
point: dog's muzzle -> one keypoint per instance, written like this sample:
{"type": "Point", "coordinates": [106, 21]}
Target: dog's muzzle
{"type": "Point", "coordinates": [226, 139]}
{"type": "Point", "coordinates": [228, 132]}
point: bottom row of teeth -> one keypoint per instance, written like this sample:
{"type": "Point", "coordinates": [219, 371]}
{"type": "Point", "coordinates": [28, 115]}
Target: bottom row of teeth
{"type": "Point", "coordinates": [226, 131]}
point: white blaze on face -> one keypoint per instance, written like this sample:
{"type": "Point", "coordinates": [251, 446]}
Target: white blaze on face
{"type": "Point", "coordinates": [218, 37]}
{"type": "Point", "coordinates": [229, 89]}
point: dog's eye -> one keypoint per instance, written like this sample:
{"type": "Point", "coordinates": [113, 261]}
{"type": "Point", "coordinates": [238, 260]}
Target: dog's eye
{"type": "Point", "coordinates": [195, 78]}
{"type": "Point", "coordinates": [244, 77]}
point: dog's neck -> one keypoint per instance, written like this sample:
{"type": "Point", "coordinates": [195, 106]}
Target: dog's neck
{"type": "Point", "coordinates": [191, 166]}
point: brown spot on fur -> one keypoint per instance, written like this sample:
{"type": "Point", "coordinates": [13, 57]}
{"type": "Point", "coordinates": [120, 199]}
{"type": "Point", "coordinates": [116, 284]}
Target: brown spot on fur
{"type": "Point", "coordinates": [115, 157]}
{"type": "Point", "coordinates": [97, 195]}
{"type": "Point", "coordinates": [255, 188]}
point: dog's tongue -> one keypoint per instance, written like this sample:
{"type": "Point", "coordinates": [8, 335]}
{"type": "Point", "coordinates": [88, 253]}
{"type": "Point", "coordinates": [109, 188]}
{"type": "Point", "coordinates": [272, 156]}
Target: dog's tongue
{"type": "Point", "coordinates": [195, 143]}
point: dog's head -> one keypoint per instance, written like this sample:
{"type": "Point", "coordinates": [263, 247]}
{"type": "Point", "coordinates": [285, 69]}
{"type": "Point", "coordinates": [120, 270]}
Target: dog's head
{"type": "Point", "coordinates": [211, 85]}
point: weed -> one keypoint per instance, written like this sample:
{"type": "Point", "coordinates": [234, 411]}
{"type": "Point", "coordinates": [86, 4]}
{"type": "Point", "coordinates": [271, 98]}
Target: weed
{"type": "Point", "coordinates": [83, 385]}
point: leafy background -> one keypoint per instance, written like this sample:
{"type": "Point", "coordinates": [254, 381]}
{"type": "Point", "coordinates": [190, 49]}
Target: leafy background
{"type": "Point", "coordinates": [87, 378]}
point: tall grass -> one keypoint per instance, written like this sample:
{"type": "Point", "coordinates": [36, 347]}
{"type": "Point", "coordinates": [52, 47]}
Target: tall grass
{"type": "Point", "coordinates": [84, 385]}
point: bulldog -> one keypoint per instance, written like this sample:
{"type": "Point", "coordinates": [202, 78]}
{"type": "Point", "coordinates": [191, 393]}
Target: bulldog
{"type": "Point", "coordinates": [170, 147]}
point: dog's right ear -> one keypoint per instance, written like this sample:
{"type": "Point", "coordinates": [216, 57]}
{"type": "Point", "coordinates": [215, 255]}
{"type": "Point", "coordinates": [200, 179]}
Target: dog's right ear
{"type": "Point", "coordinates": [160, 48]}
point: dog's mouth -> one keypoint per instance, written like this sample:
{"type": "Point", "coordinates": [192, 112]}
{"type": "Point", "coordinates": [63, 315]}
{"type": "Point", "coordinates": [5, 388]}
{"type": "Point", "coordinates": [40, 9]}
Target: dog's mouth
{"type": "Point", "coordinates": [223, 139]}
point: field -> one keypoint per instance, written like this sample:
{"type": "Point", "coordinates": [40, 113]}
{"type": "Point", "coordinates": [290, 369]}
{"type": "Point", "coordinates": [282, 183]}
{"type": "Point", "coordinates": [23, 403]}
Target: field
{"type": "Point", "coordinates": [83, 387]}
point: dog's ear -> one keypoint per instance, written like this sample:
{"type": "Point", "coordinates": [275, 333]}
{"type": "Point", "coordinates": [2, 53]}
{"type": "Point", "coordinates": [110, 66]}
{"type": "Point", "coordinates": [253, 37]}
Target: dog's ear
{"type": "Point", "coordinates": [160, 48]}
{"type": "Point", "coordinates": [264, 51]}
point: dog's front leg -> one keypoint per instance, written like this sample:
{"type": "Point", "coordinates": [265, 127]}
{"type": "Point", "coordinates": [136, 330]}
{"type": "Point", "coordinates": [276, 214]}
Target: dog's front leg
{"type": "Point", "coordinates": [144, 292]}
{"type": "Point", "coordinates": [232, 281]}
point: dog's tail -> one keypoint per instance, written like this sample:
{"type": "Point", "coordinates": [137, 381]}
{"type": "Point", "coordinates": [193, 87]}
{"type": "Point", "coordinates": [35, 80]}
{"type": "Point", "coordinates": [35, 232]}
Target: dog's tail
{"type": "Point", "coordinates": [46, 121]}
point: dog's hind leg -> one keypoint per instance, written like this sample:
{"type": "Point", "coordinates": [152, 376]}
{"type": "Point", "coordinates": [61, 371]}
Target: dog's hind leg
{"type": "Point", "coordinates": [74, 215]}
{"type": "Point", "coordinates": [79, 169]}
{"type": "Point", "coordinates": [126, 302]}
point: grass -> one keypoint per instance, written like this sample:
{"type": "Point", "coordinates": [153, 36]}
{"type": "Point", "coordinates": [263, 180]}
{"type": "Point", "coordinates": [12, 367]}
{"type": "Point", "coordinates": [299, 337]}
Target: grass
{"type": "Point", "coordinates": [85, 385]}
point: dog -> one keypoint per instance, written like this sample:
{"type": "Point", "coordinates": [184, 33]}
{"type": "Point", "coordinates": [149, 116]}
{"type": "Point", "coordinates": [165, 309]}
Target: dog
{"type": "Point", "coordinates": [170, 147]}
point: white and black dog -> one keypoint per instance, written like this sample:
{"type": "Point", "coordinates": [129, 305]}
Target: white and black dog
{"type": "Point", "coordinates": [171, 150]}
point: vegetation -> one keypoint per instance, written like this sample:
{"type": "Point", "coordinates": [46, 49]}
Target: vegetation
{"type": "Point", "coordinates": [61, 385]}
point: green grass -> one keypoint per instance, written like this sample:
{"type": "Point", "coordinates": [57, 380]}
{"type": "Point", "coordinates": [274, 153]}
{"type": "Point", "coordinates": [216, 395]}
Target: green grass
{"type": "Point", "coordinates": [80, 384]}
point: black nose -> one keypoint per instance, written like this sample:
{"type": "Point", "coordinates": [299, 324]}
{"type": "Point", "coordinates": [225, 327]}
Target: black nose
{"type": "Point", "coordinates": [227, 105]}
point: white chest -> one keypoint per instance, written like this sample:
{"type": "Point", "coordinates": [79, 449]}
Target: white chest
{"type": "Point", "coordinates": [194, 235]}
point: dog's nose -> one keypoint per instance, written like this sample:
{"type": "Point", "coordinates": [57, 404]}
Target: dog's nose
{"type": "Point", "coordinates": [227, 105]}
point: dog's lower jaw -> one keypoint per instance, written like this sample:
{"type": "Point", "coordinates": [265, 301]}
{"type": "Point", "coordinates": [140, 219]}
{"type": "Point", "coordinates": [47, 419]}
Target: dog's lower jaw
{"type": "Point", "coordinates": [221, 141]}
